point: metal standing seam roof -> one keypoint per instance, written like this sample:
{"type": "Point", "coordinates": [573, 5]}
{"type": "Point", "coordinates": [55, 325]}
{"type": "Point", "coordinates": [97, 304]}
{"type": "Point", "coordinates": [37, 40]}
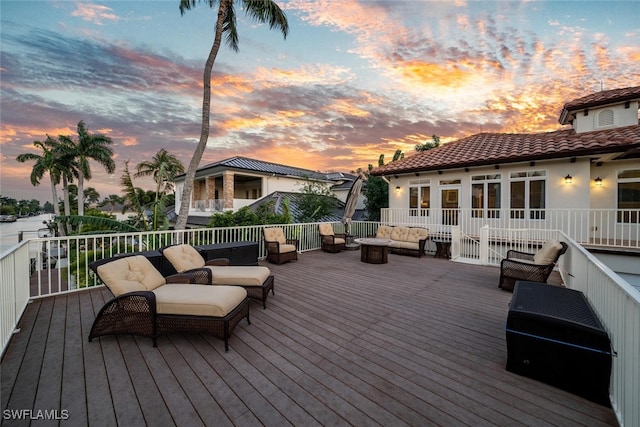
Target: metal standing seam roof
{"type": "Point", "coordinates": [260, 166]}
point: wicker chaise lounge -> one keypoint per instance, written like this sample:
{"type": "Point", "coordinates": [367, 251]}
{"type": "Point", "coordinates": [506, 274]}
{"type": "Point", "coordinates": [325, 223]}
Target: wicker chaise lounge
{"type": "Point", "coordinates": [148, 304]}
{"type": "Point", "coordinates": [256, 280]}
{"type": "Point", "coordinates": [532, 267]}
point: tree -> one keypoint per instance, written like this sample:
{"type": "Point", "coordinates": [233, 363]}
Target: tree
{"type": "Point", "coordinates": [164, 168]}
{"type": "Point", "coordinates": [91, 196]}
{"type": "Point", "coordinates": [44, 163]}
{"type": "Point", "coordinates": [315, 202]}
{"type": "Point", "coordinates": [88, 147]}
{"type": "Point", "coordinates": [435, 142]}
{"type": "Point", "coordinates": [262, 11]}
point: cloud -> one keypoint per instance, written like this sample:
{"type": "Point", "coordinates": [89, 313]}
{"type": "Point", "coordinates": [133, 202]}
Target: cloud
{"type": "Point", "coordinates": [94, 13]}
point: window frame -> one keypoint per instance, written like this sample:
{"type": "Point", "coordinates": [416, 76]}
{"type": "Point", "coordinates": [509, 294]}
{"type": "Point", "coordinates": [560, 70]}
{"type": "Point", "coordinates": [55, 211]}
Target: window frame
{"type": "Point", "coordinates": [627, 215]}
{"type": "Point", "coordinates": [418, 185]}
{"type": "Point", "coordinates": [527, 177]}
{"type": "Point", "coordinates": [485, 211]}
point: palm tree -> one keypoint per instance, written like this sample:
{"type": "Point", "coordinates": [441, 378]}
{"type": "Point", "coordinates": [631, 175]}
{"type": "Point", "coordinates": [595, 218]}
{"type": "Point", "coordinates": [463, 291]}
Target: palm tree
{"type": "Point", "coordinates": [89, 147]}
{"type": "Point", "coordinates": [44, 163]}
{"type": "Point", "coordinates": [261, 11]}
{"type": "Point", "coordinates": [164, 168]}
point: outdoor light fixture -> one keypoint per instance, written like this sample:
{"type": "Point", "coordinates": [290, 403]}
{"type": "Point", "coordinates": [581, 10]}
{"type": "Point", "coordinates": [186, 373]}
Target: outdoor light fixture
{"type": "Point", "coordinates": [598, 181]}
{"type": "Point", "coordinates": [568, 179]}
{"type": "Point", "coordinates": [398, 189]}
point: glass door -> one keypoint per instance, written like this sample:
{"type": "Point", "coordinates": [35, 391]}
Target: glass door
{"type": "Point", "coordinates": [450, 205]}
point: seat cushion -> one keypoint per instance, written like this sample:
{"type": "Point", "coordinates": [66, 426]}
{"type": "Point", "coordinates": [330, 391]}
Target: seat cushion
{"type": "Point", "coordinates": [548, 253]}
{"type": "Point", "coordinates": [274, 234]}
{"type": "Point", "coordinates": [404, 245]}
{"type": "Point", "coordinates": [129, 274]}
{"type": "Point", "coordinates": [384, 232]}
{"type": "Point", "coordinates": [286, 248]}
{"type": "Point", "coordinates": [400, 234]}
{"type": "Point", "coordinates": [339, 241]}
{"type": "Point", "coordinates": [198, 300]}
{"type": "Point", "coordinates": [326, 229]}
{"type": "Point", "coordinates": [416, 234]}
{"type": "Point", "coordinates": [239, 275]}
{"type": "Point", "coordinates": [183, 257]}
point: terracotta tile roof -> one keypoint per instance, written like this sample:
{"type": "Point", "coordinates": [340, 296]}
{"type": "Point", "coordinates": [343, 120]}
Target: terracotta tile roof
{"type": "Point", "coordinates": [599, 98]}
{"type": "Point", "coordinates": [497, 148]}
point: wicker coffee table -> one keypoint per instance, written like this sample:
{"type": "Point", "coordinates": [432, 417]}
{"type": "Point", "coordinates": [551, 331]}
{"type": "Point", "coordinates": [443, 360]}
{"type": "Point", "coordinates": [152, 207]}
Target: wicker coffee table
{"type": "Point", "coordinates": [373, 250]}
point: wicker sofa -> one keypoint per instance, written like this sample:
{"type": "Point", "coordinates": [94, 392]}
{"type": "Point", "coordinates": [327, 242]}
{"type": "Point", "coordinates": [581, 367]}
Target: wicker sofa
{"type": "Point", "coordinates": [405, 240]}
{"type": "Point", "coordinates": [148, 304]}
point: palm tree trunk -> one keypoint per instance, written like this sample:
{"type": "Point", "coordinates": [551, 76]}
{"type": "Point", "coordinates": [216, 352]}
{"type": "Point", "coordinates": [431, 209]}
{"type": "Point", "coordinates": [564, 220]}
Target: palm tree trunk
{"type": "Point", "coordinates": [56, 206]}
{"type": "Point", "coordinates": [185, 200]}
{"type": "Point", "coordinates": [80, 194]}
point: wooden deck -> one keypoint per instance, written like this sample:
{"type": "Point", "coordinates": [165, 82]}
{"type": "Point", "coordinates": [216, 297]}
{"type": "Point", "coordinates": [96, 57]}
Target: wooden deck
{"type": "Point", "coordinates": [413, 342]}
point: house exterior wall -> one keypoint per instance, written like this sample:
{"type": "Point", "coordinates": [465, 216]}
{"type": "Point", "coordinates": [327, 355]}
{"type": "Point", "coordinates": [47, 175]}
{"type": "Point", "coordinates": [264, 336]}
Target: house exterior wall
{"type": "Point", "coordinates": [621, 117]}
{"type": "Point", "coordinates": [605, 196]}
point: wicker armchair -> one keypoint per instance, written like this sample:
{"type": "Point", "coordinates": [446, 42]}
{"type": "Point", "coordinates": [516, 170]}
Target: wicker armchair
{"type": "Point", "coordinates": [279, 248]}
{"type": "Point", "coordinates": [256, 280]}
{"type": "Point", "coordinates": [533, 267]}
{"type": "Point", "coordinates": [329, 241]}
{"type": "Point", "coordinates": [148, 304]}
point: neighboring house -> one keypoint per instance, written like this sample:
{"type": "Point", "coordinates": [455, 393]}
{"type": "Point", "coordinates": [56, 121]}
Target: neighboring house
{"type": "Point", "coordinates": [236, 182]}
{"type": "Point", "coordinates": [279, 198]}
{"type": "Point", "coordinates": [593, 165]}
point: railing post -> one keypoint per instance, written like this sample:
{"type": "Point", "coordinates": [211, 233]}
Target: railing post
{"type": "Point", "coordinates": [484, 245]}
{"type": "Point", "coordinates": [456, 236]}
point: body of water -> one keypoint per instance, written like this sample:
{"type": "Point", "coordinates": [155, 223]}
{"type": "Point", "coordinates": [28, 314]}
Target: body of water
{"type": "Point", "coordinates": [28, 227]}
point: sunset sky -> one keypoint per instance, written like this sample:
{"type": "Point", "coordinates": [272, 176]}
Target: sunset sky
{"type": "Point", "coordinates": [353, 80]}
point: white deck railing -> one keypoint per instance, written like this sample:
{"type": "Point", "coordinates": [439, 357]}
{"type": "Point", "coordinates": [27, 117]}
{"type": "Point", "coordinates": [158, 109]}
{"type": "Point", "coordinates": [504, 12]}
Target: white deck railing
{"type": "Point", "coordinates": [593, 227]}
{"type": "Point", "coordinates": [618, 306]}
{"type": "Point", "coordinates": [26, 272]}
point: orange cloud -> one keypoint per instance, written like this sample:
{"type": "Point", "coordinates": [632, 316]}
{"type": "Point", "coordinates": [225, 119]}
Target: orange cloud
{"type": "Point", "coordinates": [432, 74]}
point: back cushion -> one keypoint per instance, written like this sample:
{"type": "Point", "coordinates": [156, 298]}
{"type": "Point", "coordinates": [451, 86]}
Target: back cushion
{"type": "Point", "coordinates": [384, 232]}
{"type": "Point", "coordinates": [400, 234]}
{"type": "Point", "coordinates": [274, 234]}
{"type": "Point", "coordinates": [548, 252]}
{"type": "Point", "coordinates": [183, 257]}
{"type": "Point", "coordinates": [128, 274]}
{"type": "Point", "coordinates": [326, 229]}
{"type": "Point", "coordinates": [417, 234]}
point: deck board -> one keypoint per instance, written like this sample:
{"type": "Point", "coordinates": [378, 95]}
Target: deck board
{"type": "Point", "coordinates": [411, 342]}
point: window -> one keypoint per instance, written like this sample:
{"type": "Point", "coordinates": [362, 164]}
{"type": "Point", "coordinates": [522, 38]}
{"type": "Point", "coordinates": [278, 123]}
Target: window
{"type": "Point", "coordinates": [629, 196]}
{"type": "Point", "coordinates": [485, 196]}
{"type": "Point", "coordinates": [527, 195]}
{"type": "Point", "coordinates": [419, 197]}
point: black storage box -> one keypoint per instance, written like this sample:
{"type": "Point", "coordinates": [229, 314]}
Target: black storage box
{"type": "Point", "coordinates": [554, 336]}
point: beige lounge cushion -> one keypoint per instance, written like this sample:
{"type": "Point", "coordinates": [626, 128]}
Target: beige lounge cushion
{"type": "Point", "coordinates": [400, 234]}
{"type": "Point", "coordinates": [285, 248]}
{"type": "Point", "coordinates": [326, 229]}
{"type": "Point", "coordinates": [339, 240]}
{"type": "Point", "coordinates": [404, 245]}
{"type": "Point", "coordinates": [416, 234]}
{"type": "Point", "coordinates": [198, 300]}
{"type": "Point", "coordinates": [239, 275]}
{"type": "Point", "coordinates": [274, 234]}
{"type": "Point", "coordinates": [384, 232]}
{"type": "Point", "coordinates": [548, 252]}
{"type": "Point", "coordinates": [129, 274]}
{"type": "Point", "coordinates": [183, 257]}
